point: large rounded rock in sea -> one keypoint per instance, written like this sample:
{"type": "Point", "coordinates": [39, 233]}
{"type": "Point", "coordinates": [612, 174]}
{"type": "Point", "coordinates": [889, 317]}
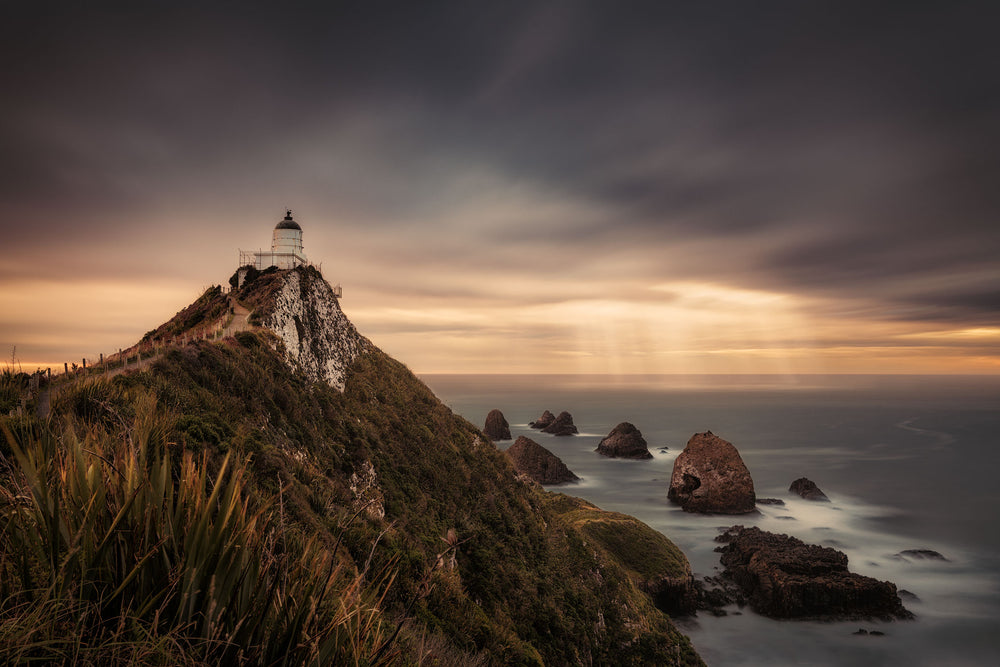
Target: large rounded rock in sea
{"type": "Point", "coordinates": [807, 489]}
{"type": "Point", "coordinates": [709, 476]}
{"type": "Point", "coordinates": [531, 459]}
{"type": "Point", "coordinates": [496, 427]}
{"type": "Point", "coordinates": [561, 425]}
{"type": "Point", "coordinates": [625, 442]}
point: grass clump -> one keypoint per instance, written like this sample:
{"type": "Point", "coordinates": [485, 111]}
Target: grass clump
{"type": "Point", "coordinates": [13, 386]}
{"type": "Point", "coordinates": [114, 550]}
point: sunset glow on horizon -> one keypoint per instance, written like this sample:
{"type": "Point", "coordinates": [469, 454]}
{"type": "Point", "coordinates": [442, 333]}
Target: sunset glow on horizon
{"type": "Point", "coordinates": [518, 188]}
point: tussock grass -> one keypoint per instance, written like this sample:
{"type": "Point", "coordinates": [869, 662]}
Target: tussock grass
{"type": "Point", "coordinates": [113, 551]}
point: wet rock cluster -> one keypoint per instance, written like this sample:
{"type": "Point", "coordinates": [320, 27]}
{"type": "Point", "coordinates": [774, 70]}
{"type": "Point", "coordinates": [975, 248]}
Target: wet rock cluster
{"type": "Point", "coordinates": [560, 425]}
{"type": "Point", "coordinates": [783, 577]}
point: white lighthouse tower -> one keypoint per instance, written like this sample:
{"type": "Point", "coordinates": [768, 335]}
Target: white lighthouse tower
{"type": "Point", "coordinates": [286, 248]}
{"type": "Point", "coordinates": [286, 243]}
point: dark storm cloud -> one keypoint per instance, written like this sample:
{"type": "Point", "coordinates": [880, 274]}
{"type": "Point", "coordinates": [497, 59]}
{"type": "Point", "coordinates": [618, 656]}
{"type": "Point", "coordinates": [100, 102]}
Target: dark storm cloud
{"type": "Point", "coordinates": [831, 148]}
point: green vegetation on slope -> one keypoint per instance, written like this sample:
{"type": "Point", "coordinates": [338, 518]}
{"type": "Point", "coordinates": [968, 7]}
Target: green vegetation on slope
{"type": "Point", "coordinates": [644, 552]}
{"type": "Point", "coordinates": [207, 309]}
{"type": "Point", "coordinates": [383, 478]}
{"type": "Point", "coordinates": [114, 550]}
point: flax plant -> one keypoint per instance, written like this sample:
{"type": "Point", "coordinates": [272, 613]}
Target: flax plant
{"type": "Point", "coordinates": [111, 550]}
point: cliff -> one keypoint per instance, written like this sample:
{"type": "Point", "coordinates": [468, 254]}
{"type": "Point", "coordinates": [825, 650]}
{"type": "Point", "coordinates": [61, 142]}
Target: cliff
{"type": "Point", "coordinates": [300, 308]}
{"type": "Point", "coordinates": [349, 465]}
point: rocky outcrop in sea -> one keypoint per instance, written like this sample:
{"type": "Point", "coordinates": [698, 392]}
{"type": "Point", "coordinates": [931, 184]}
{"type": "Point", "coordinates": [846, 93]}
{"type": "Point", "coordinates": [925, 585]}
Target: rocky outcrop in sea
{"type": "Point", "coordinates": [807, 489]}
{"type": "Point", "coordinates": [783, 577]}
{"type": "Point", "coordinates": [531, 459]}
{"type": "Point", "coordinates": [624, 441]}
{"type": "Point", "coordinates": [709, 476]}
{"type": "Point", "coordinates": [543, 421]}
{"type": "Point", "coordinates": [561, 425]}
{"type": "Point", "coordinates": [496, 427]}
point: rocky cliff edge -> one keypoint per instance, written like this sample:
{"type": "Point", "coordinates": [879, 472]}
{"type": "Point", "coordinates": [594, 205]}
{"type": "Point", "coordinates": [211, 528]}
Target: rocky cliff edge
{"type": "Point", "coordinates": [299, 306]}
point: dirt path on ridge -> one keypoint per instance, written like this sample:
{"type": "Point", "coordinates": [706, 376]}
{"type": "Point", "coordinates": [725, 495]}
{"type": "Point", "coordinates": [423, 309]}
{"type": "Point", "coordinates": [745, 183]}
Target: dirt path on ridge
{"type": "Point", "coordinates": [239, 322]}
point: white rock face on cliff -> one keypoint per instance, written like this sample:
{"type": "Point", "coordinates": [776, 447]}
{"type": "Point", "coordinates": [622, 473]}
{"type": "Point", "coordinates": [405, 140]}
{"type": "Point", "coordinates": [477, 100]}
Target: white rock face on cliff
{"type": "Point", "coordinates": [319, 339]}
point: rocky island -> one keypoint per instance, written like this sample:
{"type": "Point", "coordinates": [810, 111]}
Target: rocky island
{"type": "Point", "coordinates": [561, 425]}
{"type": "Point", "coordinates": [783, 577]}
{"type": "Point", "coordinates": [709, 476]}
{"type": "Point", "coordinates": [496, 427]}
{"type": "Point", "coordinates": [541, 465]}
{"type": "Point", "coordinates": [624, 441]}
{"type": "Point", "coordinates": [543, 421]}
{"type": "Point", "coordinates": [807, 489]}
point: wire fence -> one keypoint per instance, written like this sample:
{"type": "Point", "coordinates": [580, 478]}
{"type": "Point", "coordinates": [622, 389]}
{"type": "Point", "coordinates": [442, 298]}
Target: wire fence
{"type": "Point", "coordinates": [143, 353]}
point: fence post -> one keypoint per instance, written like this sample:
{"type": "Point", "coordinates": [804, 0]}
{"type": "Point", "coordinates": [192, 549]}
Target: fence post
{"type": "Point", "coordinates": [66, 367]}
{"type": "Point", "coordinates": [85, 363]}
{"type": "Point", "coordinates": [102, 357]}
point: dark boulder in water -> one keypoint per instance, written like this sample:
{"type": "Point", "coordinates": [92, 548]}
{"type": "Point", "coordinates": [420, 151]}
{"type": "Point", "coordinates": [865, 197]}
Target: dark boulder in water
{"type": "Point", "coordinates": [709, 476]}
{"type": "Point", "coordinates": [770, 501]}
{"type": "Point", "coordinates": [626, 442]}
{"type": "Point", "coordinates": [561, 425]}
{"type": "Point", "coordinates": [783, 577]}
{"type": "Point", "coordinates": [543, 421]}
{"type": "Point", "coordinates": [496, 427]}
{"type": "Point", "coordinates": [807, 489]}
{"type": "Point", "coordinates": [531, 459]}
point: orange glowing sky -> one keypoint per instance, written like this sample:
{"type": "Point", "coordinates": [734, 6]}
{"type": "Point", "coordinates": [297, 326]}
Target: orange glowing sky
{"type": "Point", "coordinates": [521, 188]}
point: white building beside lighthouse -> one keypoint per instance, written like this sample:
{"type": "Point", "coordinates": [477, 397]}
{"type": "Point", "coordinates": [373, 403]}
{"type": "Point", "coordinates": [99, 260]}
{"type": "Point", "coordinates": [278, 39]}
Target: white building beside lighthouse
{"type": "Point", "coordinates": [286, 248]}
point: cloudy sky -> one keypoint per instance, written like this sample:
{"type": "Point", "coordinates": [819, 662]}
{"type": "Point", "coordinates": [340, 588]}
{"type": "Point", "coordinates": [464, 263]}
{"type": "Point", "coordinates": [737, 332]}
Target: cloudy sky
{"type": "Point", "coordinates": [634, 187]}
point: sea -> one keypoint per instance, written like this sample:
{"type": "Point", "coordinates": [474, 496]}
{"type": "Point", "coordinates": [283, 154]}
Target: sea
{"type": "Point", "coordinates": [908, 462]}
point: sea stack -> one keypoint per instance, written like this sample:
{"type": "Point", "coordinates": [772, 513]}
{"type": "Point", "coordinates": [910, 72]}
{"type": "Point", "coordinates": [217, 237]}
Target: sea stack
{"type": "Point", "coordinates": [807, 489]}
{"type": "Point", "coordinates": [543, 421]}
{"type": "Point", "coordinates": [531, 459]}
{"type": "Point", "coordinates": [625, 442]}
{"type": "Point", "coordinates": [709, 476]}
{"type": "Point", "coordinates": [561, 425]}
{"type": "Point", "coordinates": [496, 427]}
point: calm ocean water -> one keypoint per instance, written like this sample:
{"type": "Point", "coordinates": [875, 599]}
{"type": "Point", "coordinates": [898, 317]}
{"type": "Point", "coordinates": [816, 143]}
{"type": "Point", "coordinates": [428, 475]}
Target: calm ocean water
{"type": "Point", "coordinates": [908, 463]}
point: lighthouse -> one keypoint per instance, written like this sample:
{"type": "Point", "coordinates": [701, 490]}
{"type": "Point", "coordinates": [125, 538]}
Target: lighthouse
{"type": "Point", "coordinates": [286, 247]}
{"type": "Point", "coordinates": [286, 243]}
